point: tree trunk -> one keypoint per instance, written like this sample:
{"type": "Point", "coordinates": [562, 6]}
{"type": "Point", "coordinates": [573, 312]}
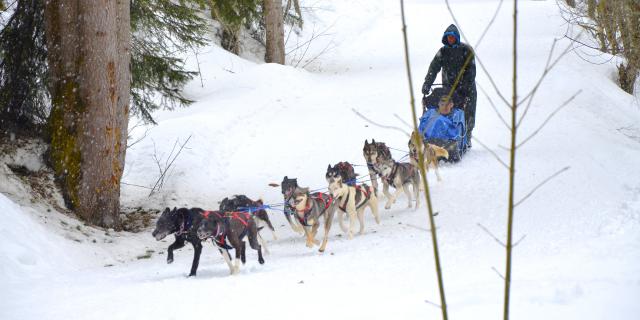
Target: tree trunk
{"type": "Point", "coordinates": [274, 25]}
{"type": "Point", "coordinates": [89, 61]}
{"type": "Point", "coordinates": [628, 18]}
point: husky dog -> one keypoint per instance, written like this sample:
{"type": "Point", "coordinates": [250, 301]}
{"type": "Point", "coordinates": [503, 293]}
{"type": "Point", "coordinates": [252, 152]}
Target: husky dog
{"type": "Point", "coordinates": [288, 186]}
{"type": "Point", "coordinates": [231, 226]}
{"type": "Point", "coordinates": [243, 203]}
{"type": "Point", "coordinates": [309, 208]}
{"type": "Point", "coordinates": [374, 153]}
{"type": "Point", "coordinates": [352, 200]}
{"type": "Point", "coordinates": [183, 223]}
{"type": "Point", "coordinates": [431, 156]}
{"type": "Point", "coordinates": [400, 176]}
{"type": "Point", "coordinates": [345, 170]}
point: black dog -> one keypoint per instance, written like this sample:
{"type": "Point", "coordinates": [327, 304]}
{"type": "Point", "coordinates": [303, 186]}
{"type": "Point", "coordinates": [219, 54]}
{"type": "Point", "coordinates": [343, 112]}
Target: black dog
{"type": "Point", "coordinates": [243, 203]}
{"type": "Point", "coordinates": [231, 226]}
{"type": "Point", "coordinates": [184, 223]}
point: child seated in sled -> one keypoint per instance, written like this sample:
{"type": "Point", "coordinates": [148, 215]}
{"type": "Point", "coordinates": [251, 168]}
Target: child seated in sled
{"type": "Point", "coordinates": [444, 126]}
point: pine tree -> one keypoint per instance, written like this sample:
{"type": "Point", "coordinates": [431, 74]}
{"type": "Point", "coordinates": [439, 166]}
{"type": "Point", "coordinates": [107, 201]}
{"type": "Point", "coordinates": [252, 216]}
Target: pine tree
{"type": "Point", "coordinates": [233, 16]}
{"type": "Point", "coordinates": [162, 31]}
{"type": "Point", "coordinates": [24, 97]}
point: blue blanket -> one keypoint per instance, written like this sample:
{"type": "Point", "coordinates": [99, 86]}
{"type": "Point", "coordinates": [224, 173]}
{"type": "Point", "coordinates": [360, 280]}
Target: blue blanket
{"type": "Point", "coordinates": [444, 127]}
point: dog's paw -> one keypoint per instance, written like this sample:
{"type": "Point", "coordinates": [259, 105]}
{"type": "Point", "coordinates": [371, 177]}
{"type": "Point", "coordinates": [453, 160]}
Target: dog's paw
{"type": "Point", "coordinates": [387, 206]}
{"type": "Point", "coordinates": [169, 260]}
{"type": "Point", "coordinates": [261, 260]}
{"type": "Point", "coordinates": [192, 274]}
{"type": "Point", "coordinates": [350, 236]}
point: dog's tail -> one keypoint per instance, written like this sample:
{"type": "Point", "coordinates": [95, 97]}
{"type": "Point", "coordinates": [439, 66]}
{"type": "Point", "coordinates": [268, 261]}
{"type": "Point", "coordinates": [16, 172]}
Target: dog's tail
{"type": "Point", "coordinates": [440, 151]}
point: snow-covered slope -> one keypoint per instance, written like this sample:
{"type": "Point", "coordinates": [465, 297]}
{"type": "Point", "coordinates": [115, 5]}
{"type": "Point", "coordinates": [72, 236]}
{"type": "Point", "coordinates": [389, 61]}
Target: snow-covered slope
{"type": "Point", "coordinates": [255, 123]}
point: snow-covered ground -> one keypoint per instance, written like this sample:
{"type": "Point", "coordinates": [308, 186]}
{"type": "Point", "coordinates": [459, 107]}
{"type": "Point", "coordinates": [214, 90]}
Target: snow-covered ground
{"type": "Point", "coordinates": [255, 123]}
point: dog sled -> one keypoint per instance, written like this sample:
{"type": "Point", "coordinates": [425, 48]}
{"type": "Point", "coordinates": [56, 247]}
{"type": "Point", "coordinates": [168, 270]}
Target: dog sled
{"type": "Point", "coordinates": [444, 130]}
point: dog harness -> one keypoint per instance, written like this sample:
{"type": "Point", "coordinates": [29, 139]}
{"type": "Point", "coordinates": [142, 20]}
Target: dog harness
{"type": "Point", "coordinates": [220, 238]}
{"type": "Point", "coordinates": [185, 226]}
{"type": "Point", "coordinates": [241, 216]}
{"type": "Point", "coordinates": [394, 171]}
{"type": "Point", "coordinates": [364, 191]}
{"type": "Point", "coordinates": [326, 200]}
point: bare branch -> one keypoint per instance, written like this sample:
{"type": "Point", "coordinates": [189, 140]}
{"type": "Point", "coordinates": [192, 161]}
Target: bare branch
{"type": "Point", "coordinates": [160, 182]}
{"type": "Point", "coordinates": [493, 106]}
{"type": "Point", "coordinates": [134, 185]}
{"type": "Point", "coordinates": [493, 83]}
{"type": "Point", "coordinates": [314, 36]}
{"type": "Point", "coordinates": [433, 304]}
{"type": "Point", "coordinates": [144, 135]}
{"type": "Point", "coordinates": [401, 120]}
{"type": "Point", "coordinates": [379, 125]}
{"type": "Point", "coordinates": [327, 48]}
{"type": "Point", "coordinates": [520, 240]}
{"type": "Point", "coordinates": [549, 118]}
{"type": "Point", "coordinates": [498, 273]}
{"type": "Point", "coordinates": [581, 43]}
{"type": "Point", "coordinates": [491, 235]}
{"type": "Point", "coordinates": [492, 153]}
{"type": "Point", "coordinates": [417, 227]}
{"type": "Point", "coordinates": [493, 19]}
{"type": "Point", "coordinates": [540, 185]}
{"type": "Point", "coordinates": [549, 65]}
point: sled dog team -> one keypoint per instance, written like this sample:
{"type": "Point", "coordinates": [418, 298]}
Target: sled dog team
{"type": "Point", "coordinates": [238, 217]}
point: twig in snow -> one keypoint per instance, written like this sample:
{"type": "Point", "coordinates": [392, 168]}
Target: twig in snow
{"type": "Point", "coordinates": [417, 227]}
{"type": "Point", "coordinates": [541, 184]}
{"type": "Point", "coordinates": [491, 152]}
{"type": "Point", "coordinates": [491, 235]}
{"type": "Point", "coordinates": [377, 124]}
{"type": "Point", "coordinates": [163, 171]}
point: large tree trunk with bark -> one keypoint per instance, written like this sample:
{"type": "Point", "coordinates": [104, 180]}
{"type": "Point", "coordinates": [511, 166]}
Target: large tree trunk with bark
{"type": "Point", "coordinates": [628, 19]}
{"type": "Point", "coordinates": [89, 62]}
{"type": "Point", "coordinates": [274, 24]}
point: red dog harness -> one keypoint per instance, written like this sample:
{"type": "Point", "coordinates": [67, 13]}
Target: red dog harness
{"type": "Point", "coordinates": [327, 200]}
{"type": "Point", "coordinates": [241, 216]}
{"type": "Point", "coordinates": [364, 191]}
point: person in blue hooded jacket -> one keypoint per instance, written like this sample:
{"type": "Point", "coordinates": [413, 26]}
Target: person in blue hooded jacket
{"type": "Point", "coordinates": [456, 58]}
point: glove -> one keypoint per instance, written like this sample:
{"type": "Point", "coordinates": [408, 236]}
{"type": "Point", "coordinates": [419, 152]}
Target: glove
{"type": "Point", "coordinates": [426, 89]}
